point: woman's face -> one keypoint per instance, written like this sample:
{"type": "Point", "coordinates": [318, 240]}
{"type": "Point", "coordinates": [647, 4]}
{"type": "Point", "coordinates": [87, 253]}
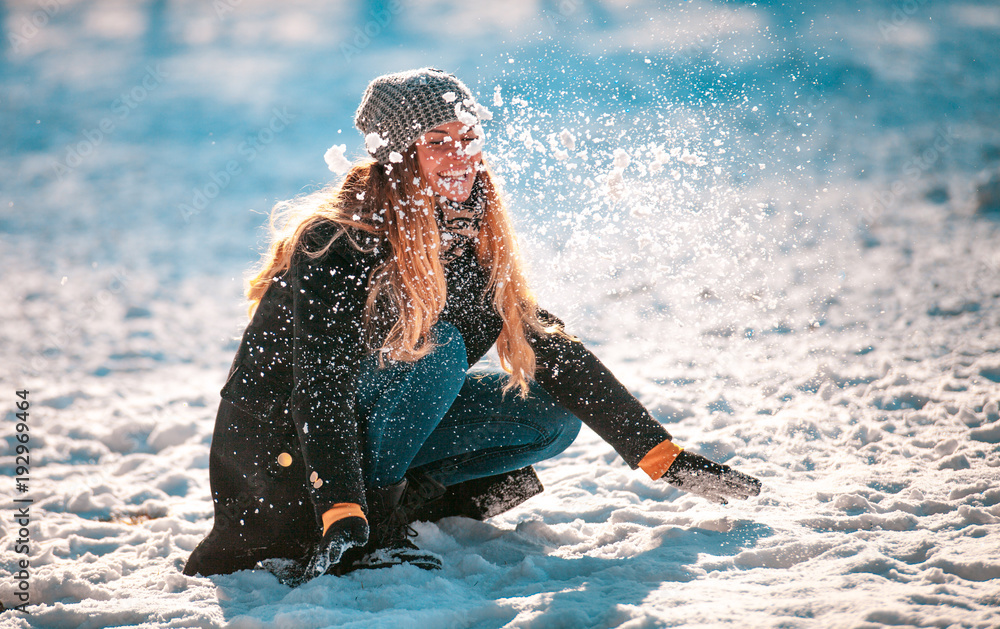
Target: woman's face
{"type": "Point", "coordinates": [445, 162]}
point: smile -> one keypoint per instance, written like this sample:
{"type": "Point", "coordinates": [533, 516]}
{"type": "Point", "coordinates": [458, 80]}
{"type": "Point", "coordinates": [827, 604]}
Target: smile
{"type": "Point", "coordinates": [455, 174]}
{"type": "Point", "coordinates": [455, 178]}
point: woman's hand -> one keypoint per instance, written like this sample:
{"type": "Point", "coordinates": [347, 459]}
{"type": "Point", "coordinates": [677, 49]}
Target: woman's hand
{"type": "Point", "coordinates": [343, 534]}
{"type": "Point", "coordinates": [339, 537]}
{"type": "Point", "coordinates": [716, 482]}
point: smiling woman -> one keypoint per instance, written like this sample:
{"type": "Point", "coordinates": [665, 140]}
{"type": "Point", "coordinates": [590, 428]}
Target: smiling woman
{"type": "Point", "coordinates": [447, 160]}
{"type": "Point", "coordinates": [349, 411]}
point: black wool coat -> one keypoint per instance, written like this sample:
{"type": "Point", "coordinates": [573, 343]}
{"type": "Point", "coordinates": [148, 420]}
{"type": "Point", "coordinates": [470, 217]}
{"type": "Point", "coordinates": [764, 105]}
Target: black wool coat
{"type": "Point", "coordinates": [288, 443]}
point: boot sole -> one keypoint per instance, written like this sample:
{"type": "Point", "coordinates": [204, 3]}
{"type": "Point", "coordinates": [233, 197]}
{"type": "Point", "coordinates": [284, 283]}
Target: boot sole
{"type": "Point", "coordinates": [424, 562]}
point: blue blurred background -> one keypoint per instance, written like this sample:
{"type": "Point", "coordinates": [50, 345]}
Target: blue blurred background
{"type": "Point", "coordinates": [154, 137]}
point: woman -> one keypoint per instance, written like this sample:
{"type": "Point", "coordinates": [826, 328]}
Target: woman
{"type": "Point", "coordinates": [349, 412]}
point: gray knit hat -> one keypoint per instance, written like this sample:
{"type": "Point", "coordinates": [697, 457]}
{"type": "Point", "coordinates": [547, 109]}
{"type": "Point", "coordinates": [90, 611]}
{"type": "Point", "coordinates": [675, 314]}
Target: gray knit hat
{"type": "Point", "coordinates": [396, 109]}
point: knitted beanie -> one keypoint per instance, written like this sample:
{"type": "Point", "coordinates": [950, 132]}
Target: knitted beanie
{"type": "Point", "coordinates": [396, 109]}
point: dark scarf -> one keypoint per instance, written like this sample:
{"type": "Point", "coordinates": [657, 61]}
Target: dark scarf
{"type": "Point", "coordinates": [460, 222]}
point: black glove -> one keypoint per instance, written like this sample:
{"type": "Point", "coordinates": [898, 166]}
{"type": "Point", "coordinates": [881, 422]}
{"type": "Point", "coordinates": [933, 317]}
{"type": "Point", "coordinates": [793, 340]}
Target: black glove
{"type": "Point", "coordinates": [708, 479]}
{"type": "Point", "coordinates": [343, 534]}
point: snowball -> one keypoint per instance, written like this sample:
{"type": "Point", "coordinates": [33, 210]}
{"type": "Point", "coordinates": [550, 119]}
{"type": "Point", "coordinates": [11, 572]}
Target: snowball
{"type": "Point", "coordinates": [615, 178]}
{"type": "Point", "coordinates": [691, 159]}
{"type": "Point", "coordinates": [335, 159]}
{"type": "Point", "coordinates": [373, 142]}
{"type": "Point", "coordinates": [476, 146]}
{"type": "Point", "coordinates": [482, 113]}
{"type": "Point", "coordinates": [464, 116]}
{"type": "Point", "coordinates": [449, 97]}
{"type": "Point", "coordinates": [567, 140]}
{"type": "Point", "coordinates": [621, 158]}
{"type": "Point", "coordinates": [497, 99]}
{"type": "Point", "coordinates": [660, 157]}
{"type": "Point", "coordinates": [395, 157]}
{"type": "Point", "coordinates": [560, 155]}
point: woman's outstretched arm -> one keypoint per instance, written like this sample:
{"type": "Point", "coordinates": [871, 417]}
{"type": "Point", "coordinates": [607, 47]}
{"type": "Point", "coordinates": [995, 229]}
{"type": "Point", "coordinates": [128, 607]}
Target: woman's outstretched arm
{"type": "Point", "coordinates": [580, 382]}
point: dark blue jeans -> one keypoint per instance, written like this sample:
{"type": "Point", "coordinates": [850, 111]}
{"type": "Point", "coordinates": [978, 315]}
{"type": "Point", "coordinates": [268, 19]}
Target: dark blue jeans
{"type": "Point", "coordinates": [432, 415]}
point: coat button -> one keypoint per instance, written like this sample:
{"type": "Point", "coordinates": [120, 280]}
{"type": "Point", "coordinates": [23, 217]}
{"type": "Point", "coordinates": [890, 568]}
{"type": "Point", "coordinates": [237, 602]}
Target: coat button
{"type": "Point", "coordinates": [318, 483]}
{"type": "Point", "coordinates": [284, 459]}
{"type": "Point", "coordinates": [313, 477]}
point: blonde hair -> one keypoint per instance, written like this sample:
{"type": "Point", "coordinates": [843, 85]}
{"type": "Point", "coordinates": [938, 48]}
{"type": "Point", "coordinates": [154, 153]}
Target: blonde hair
{"type": "Point", "coordinates": [387, 201]}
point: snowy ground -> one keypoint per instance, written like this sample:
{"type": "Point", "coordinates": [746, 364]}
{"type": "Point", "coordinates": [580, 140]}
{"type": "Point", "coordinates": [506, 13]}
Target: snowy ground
{"type": "Point", "coordinates": [764, 219]}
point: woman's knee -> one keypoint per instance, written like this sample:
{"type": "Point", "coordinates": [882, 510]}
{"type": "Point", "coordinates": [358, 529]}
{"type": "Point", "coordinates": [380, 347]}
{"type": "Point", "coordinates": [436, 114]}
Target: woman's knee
{"type": "Point", "coordinates": [565, 427]}
{"type": "Point", "coordinates": [560, 426]}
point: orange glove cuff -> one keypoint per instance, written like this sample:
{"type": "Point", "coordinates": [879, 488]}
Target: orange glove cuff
{"type": "Point", "coordinates": [340, 511]}
{"type": "Point", "coordinates": [658, 460]}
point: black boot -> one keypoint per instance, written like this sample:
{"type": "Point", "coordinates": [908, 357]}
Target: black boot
{"type": "Point", "coordinates": [478, 499]}
{"type": "Point", "coordinates": [389, 543]}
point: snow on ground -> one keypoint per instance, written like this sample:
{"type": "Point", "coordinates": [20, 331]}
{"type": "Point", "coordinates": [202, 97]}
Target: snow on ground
{"type": "Point", "coordinates": [765, 220]}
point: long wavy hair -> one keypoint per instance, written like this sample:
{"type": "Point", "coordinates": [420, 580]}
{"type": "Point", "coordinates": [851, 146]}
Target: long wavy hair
{"type": "Point", "coordinates": [387, 201]}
